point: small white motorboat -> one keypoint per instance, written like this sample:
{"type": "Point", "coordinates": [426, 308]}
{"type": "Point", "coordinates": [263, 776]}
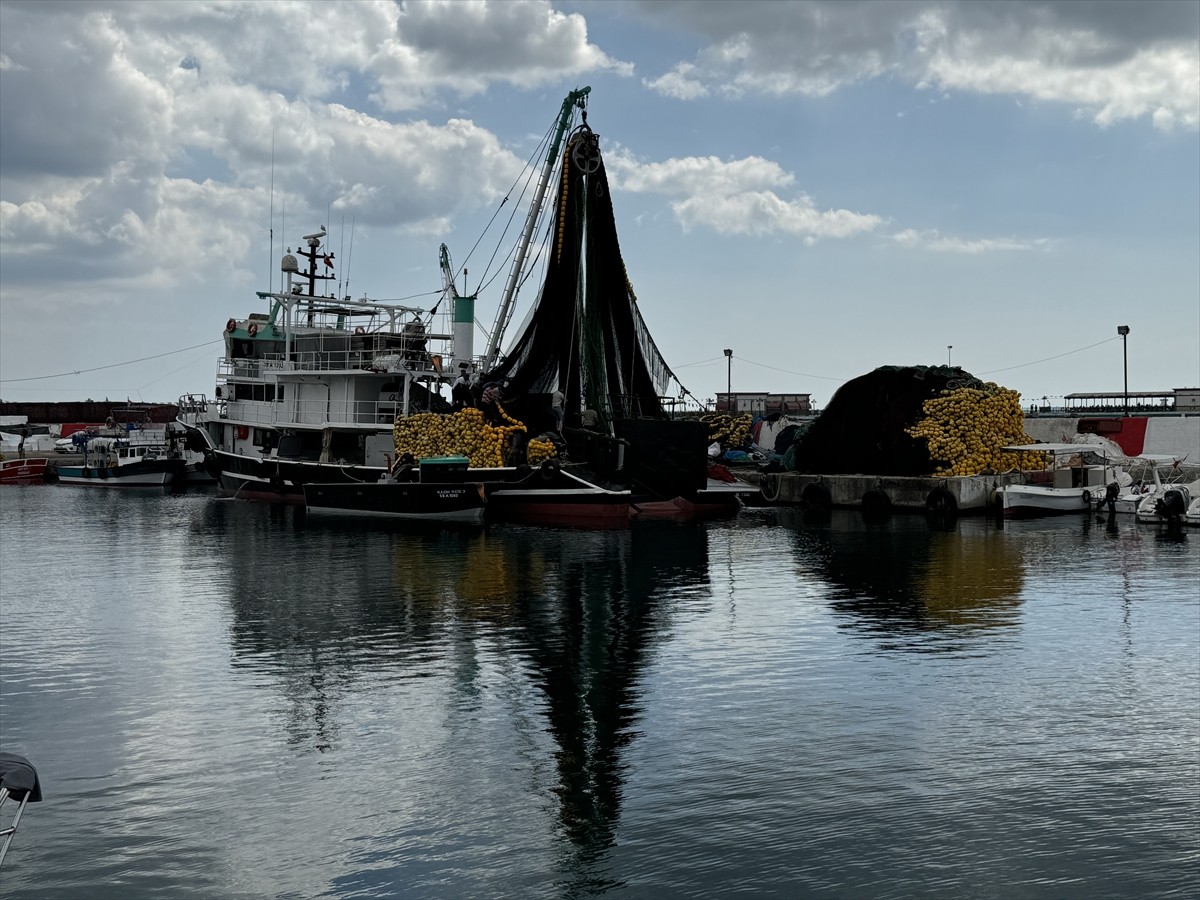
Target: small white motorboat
{"type": "Point", "coordinates": [1169, 506]}
{"type": "Point", "coordinates": [1066, 488]}
{"type": "Point", "coordinates": [1149, 475]}
{"type": "Point", "coordinates": [1192, 516]}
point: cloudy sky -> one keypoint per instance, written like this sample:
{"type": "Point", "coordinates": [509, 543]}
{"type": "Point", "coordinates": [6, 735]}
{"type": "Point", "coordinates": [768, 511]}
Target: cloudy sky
{"type": "Point", "coordinates": [822, 187]}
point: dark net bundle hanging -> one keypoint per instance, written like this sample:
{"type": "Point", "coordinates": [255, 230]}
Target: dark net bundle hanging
{"type": "Point", "coordinates": [586, 334]}
{"type": "Point", "coordinates": [862, 430]}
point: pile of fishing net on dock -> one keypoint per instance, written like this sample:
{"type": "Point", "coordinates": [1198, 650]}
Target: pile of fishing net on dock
{"type": "Point", "coordinates": [915, 421]}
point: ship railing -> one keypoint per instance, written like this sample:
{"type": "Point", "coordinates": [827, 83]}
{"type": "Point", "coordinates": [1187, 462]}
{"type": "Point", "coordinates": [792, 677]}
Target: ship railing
{"type": "Point", "coordinates": [384, 360]}
{"type": "Point", "coordinates": [285, 413]}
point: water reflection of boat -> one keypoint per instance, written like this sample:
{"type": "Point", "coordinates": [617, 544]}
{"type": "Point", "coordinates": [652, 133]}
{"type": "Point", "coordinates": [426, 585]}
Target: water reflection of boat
{"type": "Point", "coordinates": [558, 623]}
{"type": "Point", "coordinates": [907, 576]}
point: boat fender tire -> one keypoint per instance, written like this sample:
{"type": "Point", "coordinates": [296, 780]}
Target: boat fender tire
{"type": "Point", "coordinates": [103, 473]}
{"type": "Point", "coordinates": [252, 329]}
{"type": "Point", "coordinates": [548, 470]}
{"type": "Point", "coordinates": [941, 501]}
{"type": "Point", "coordinates": [1087, 498]}
{"type": "Point", "coordinates": [231, 325]}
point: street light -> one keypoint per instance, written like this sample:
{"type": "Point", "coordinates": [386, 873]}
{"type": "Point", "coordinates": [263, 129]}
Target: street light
{"type": "Point", "coordinates": [949, 347]}
{"type": "Point", "coordinates": [728, 380]}
{"type": "Point", "coordinates": [1123, 331]}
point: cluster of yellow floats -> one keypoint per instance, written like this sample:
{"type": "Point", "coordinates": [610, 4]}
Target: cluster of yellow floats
{"type": "Point", "coordinates": [966, 428]}
{"type": "Point", "coordinates": [731, 432]}
{"type": "Point", "coordinates": [464, 433]}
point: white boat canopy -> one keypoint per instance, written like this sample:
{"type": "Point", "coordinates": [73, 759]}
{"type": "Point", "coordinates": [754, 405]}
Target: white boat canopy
{"type": "Point", "coordinates": [1057, 448]}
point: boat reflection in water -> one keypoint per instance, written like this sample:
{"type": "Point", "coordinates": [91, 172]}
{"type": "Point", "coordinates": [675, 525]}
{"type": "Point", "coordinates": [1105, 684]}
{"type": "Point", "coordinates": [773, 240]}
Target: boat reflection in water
{"type": "Point", "coordinates": [919, 583]}
{"type": "Point", "coordinates": [512, 636]}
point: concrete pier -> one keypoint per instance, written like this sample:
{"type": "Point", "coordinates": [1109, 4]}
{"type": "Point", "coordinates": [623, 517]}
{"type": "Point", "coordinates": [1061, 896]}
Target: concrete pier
{"type": "Point", "coordinates": [883, 493]}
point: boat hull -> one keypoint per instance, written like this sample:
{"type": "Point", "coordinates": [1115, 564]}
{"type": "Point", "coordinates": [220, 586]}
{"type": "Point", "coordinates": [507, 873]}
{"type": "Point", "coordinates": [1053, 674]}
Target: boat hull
{"type": "Point", "coordinates": [274, 480]}
{"type": "Point", "coordinates": [153, 473]}
{"type": "Point", "coordinates": [1170, 505]}
{"type": "Point", "coordinates": [549, 495]}
{"type": "Point", "coordinates": [1026, 501]}
{"type": "Point", "coordinates": [22, 471]}
{"type": "Point", "coordinates": [437, 502]}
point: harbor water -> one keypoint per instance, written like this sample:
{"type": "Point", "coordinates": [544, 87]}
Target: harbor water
{"type": "Point", "coordinates": [226, 700]}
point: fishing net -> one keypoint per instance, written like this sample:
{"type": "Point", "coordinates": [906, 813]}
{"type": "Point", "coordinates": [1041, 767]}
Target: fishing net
{"type": "Point", "coordinates": [862, 430]}
{"type": "Point", "coordinates": [586, 336]}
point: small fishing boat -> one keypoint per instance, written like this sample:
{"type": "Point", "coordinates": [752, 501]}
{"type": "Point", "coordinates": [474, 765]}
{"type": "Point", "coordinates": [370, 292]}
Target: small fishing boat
{"type": "Point", "coordinates": [1060, 488]}
{"type": "Point", "coordinates": [31, 470]}
{"type": "Point", "coordinates": [121, 462]}
{"type": "Point", "coordinates": [19, 783]}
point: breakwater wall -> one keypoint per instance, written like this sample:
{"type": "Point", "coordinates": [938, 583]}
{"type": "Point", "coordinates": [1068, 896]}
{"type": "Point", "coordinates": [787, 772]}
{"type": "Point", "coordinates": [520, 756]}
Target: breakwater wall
{"type": "Point", "coordinates": [1176, 435]}
{"type": "Point", "coordinates": [58, 413]}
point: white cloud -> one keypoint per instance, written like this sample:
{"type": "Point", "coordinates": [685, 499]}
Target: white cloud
{"type": "Point", "coordinates": [171, 120]}
{"type": "Point", "coordinates": [735, 197]}
{"type": "Point", "coordinates": [1116, 61]}
{"type": "Point", "coordinates": [935, 241]}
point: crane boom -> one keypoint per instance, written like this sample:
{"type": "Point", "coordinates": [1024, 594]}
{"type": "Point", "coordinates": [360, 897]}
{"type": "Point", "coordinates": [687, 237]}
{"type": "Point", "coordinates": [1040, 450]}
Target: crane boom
{"type": "Point", "coordinates": [574, 99]}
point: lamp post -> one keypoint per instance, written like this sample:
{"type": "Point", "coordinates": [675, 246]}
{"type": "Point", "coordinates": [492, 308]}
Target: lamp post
{"type": "Point", "coordinates": [1123, 331]}
{"type": "Point", "coordinates": [728, 380]}
{"type": "Point", "coordinates": [949, 347]}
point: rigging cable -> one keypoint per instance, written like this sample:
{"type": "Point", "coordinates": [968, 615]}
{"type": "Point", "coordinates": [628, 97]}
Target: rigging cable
{"type": "Point", "coordinates": [113, 365]}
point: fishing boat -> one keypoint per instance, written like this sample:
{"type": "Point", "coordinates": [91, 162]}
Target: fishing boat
{"type": "Point", "coordinates": [433, 490]}
{"type": "Point", "coordinates": [310, 388]}
{"type": "Point", "coordinates": [28, 470]}
{"type": "Point", "coordinates": [113, 462]}
{"type": "Point", "coordinates": [1060, 488]}
{"type": "Point", "coordinates": [307, 391]}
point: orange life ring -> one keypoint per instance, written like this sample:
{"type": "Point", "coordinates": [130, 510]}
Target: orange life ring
{"type": "Point", "coordinates": [231, 325]}
{"type": "Point", "coordinates": [358, 329]}
{"type": "Point", "coordinates": [243, 432]}
{"type": "Point", "coordinates": [252, 329]}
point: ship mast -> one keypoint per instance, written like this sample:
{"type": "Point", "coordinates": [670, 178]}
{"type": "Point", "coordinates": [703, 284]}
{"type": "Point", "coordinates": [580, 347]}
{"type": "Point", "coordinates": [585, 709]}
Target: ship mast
{"type": "Point", "coordinates": [504, 313]}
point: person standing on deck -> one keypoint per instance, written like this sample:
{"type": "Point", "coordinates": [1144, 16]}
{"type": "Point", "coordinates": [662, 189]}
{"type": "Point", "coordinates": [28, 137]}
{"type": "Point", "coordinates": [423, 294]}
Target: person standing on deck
{"type": "Point", "coordinates": [556, 404]}
{"type": "Point", "coordinates": [461, 392]}
{"type": "Point", "coordinates": [21, 448]}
